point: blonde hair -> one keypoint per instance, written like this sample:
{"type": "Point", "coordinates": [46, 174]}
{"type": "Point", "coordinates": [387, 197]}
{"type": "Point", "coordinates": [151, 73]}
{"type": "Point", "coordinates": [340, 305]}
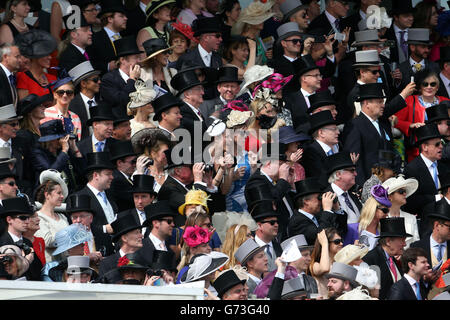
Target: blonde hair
{"type": "Point", "coordinates": [367, 213]}
{"type": "Point", "coordinates": [235, 237]}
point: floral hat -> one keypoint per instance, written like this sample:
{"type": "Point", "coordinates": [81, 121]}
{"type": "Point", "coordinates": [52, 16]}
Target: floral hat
{"type": "Point", "coordinates": [274, 82]}
{"type": "Point", "coordinates": [236, 118]}
{"type": "Point", "coordinates": [142, 96]}
{"type": "Point", "coordinates": [195, 196]}
{"type": "Point", "coordinates": [195, 236]}
{"type": "Point", "coordinates": [185, 29]}
{"type": "Point", "coordinates": [381, 195]}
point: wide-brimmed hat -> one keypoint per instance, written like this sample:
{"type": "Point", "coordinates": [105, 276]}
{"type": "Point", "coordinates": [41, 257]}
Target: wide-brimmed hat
{"type": "Point", "coordinates": [5, 171]}
{"type": "Point", "coordinates": [165, 102]}
{"type": "Point", "coordinates": [343, 272]}
{"type": "Point", "coordinates": [51, 130]}
{"type": "Point", "coordinates": [82, 71]}
{"type": "Point", "coordinates": [366, 37]}
{"type": "Point", "coordinates": [98, 160]}
{"type": "Point", "coordinates": [247, 250]}
{"type": "Point", "coordinates": [8, 114]}
{"type": "Point", "coordinates": [367, 58]}
{"type": "Point", "coordinates": [121, 149]}
{"type": "Point", "coordinates": [206, 25]}
{"type": "Point", "coordinates": [338, 161]}
{"type": "Point", "coordinates": [56, 176]}
{"type": "Point", "coordinates": [21, 263]}
{"type": "Point", "coordinates": [79, 203]}
{"type": "Point", "coordinates": [108, 6]}
{"type": "Point", "coordinates": [350, 253]}
{"type": "Point", "coordinates": [185, 80]}
{"type": "Point", "coordinates": [27, 104]}
{"type": "Point", "coordinates": [307, 186]}
{"type": "Point", "coordinates": [225, 281]}
{"type": "Point", "coordinates": [36, 43]}
{"type": "Point", "coordinates": [254, 74]}
{"type": "Point", "coordinates": [237, 118]}
{"type": "Point", "coordinates": [393, 227]}
{"type": "Point", "coordinates": [78, 265]}
{"type": "Point", "coordinates": [401, 7]}
{"type": "Point", "coordinates": [319, 120]}
{"type": "Point", "coordinates": [155, 46]}
{"type": "Point", "coordinates": [426, 132]}
{"type": "Point", "coordinates": [123, 224]}
{"type": "Point", "coordinates": [287, 135]}
{"type": "Point", "coordinates": [5, 156]}
{"type": "Point", "coordinates": [70, 237]}
{"type": "Point", "coordinates": [288, 8]}
{"type": "Point", "coordinates": [371, 91]}
{"type": "Point", "coordinates": [389, 159]}
{"type": "Point", "coordinates": [293, 287]}
{"type": "Point", "coordinates": [320, 99]}
{"type": "Point", "coordinates": [256, 13]}
{"type": "Point", "coordinates": [204, 265]}
{"type": "Point", "coordinates": [143, 183]}
{"type": "Point", "coordinates": [216, 128]}
{"type": "Point", "coordinates": [301, 242]}
{"type": "Point", "coordinates": [228, 74]}
{"type": "Point", "coordinates": [132, 261]}
{"type": "Point", "coordinates": [262, 209]}
{"type": "Point", "coordinates": [437, 113]}
{"type": "Point", "coordinates": [287, 30]}
{"type": "Point", "coordinates": [195, 196]}
{"type": "Point", "coordinates": [419, 36]}
{"type": "Point", "coordinates": [15, 206]}
{"type": "Point", "coordinates": [380, 194]}
{"type": "Point", "coordinates": [126, 46]}
{"type": "Point", "coordinates": [155, 211]}
{"type": "Point", "coordinates": [154, 5]}
{"type": "Point", "coordinates": [304, 64]}
{"type": "Point", "coordinates": [142, 96]}
{"type": "Point", "coordinates": [441, 210]}
{"type": "Point", "coordinates": [393, 184]}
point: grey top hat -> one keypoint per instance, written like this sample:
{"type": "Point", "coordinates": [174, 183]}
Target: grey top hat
{"type": "Point", "coordinates": [78, 265]}
{"type": "Point", "coordinates": [344, 272]}
{"type": "Point", "coordinates": [247, 250]}
{"type": "Point", "coordinates": [367, 58]}
{"type": "Point", "coordinates": [82, 71]}
{"type": "Point", "coordinates": [8, 113]}
{"type": "Point", "coordinates": [366, 37]}
{"type": "Point", "coordinates": [301, 242]}
{"type": "Point", "coordinates": [419, 36]}
{"type": "Point", "coordinates": [288, 29]}
{"type": "Point", "coordinates": [289, 7]}
{"type": "Point", "coordinates": [5, 155]}
{"type": "Point", "coordinates": [292, 288]}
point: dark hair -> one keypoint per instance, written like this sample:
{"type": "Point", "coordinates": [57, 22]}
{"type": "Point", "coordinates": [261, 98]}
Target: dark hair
{"type": "Point", "coordinates": [46, 187]}
{"type": "Point", "coordinates": [421, 75]}
{"type": "Point", "coordinates": [234, 44]}
{"type": "Point", "coordinates": [300, 201]}
{"type": "Point", "coordinates": [422, 14]}
{"type": "Point", "coordinates": [226, 6]}
{"type": "Point", "coordinates": [90, 174]}
{"type": "Point", "coordinates": [411, 255]}
{"type": "Point", "coordinates": [174, 34]}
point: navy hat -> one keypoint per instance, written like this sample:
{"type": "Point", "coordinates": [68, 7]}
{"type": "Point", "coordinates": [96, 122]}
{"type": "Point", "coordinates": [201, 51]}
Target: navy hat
{"type": "Point", "coordinates": [51, 130]}
{"type": "Point", "coordinates": [123, 224]}
{"type": "Point", "coordinates": [27, 104]}
{"type": "Point", "coordinates": [121, 149]}
{"type": "Point", "coordinates": [206, 25]}
{"type": "Point", "coordinates": [287, 135]}
{"type": "Point", "coordinates": [158, 210]}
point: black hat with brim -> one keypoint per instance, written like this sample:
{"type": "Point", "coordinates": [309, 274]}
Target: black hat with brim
{"type": "Point", "coordinates": [126, 46]}
{"type": "Point", "coordinates": [27, 104]}
{"type": "Point", "coordinates": [338, 161]}
{"type": "Point", "coordinates": [426, 132]}
{"type": "Point", "coordinates": [393, 227]}
{"type": "Point", "coordinates": [185, 80]}
{"type": "Point", "coordinates": [389, 159]}
{"type": "Point", "coordinates": [120, 115]}
{"type": "Point", "coordinates": [163, 260]}
{"type": "Point", "coordinates": [437, 113]}
{"type": "Point", "coordinates": [79, 203]}
{"type": "Point", "coordinates": [307, 186]}
{"type": "Point", "coordinates": [371, 91]}
{"type": "Point", "coordinates": [15, 206]}
{"type": "Point", "coordinates": [263, 209]}
{"type": "Point", "coordinates": [51, 130]}
{"type": "Point", "coordinates": [206, 25]}
{"type": "Point", "coordinates": [256, 193]}
{"type": "Point", "coordinates": [109, 6]}
{"type": "Point", "coordinates": [226, 281]}
{"type": "Point", "coordinates": [228, 74]}
{"type": "Point", "coordinates": [158, 210]}
{"type": "Point", "coordinates": [441, 210]}
{"type": "Point", "coordinates": [320, 99]}
{"type": "Point", "coordinates": [444, 54]}
{"type": "Point", "coordinates": [273, 151]}
{"type": "Point", "coordinates": [320, 119]}
{"type": "Point", "coordinates": [36, 43]}
{"type": "Point", "coordinates": [5, 171]}
{"type": "Point", "coordinates": [401, 7]}
{"type": "Point", "coordinates": [165, 102]}
{"type": "Point", "coordinates": [121, 149]}
{"type": "Point", "coordinates": [98, 161]}
{"type": "Point", "coordinates": [143, 183]}
{"type": "Point", "coordinates": [134, 262]}
{"type": "Point", "coordinates": [100, 112]}
{"type": "Point", "coordinates": [304, 64]}
{"type": "Point", "coordinates": [124, 223]}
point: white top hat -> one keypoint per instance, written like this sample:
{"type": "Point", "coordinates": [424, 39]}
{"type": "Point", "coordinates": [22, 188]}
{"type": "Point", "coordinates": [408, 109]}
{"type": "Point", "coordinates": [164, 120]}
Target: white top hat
{"type": "Point", "coordinates": [82, 71]}
{"type": "Point", "coordinates": [8, 113]}
{"type": "Point", "coordinates": [5, 153]}
{"type": "Point", "coordinates": [367, 58]}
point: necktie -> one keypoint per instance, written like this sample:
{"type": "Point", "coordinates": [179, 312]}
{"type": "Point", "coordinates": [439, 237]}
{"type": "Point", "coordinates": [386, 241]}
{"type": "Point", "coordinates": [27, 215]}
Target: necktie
{"type": "Point", "coordinates": [268, 252]}
{"type": "Point", "coordinates": [99, 146]}
{"type": "Point", "coordinates": [86, 55]}
{"type": "Point", "coordinates": [86, 248]}
{"type": "Point", "coordinates": [418, 295]}
{"type": "Point", "coordinates": [162, 246]}
{"type": "Point", "coordinates": [12, 80]}
{"type": "Point", "coordinates": [116, 36]}
{"type": "Point", "coordinates": [314, 219]}
{"type": "Point", "coordinates": [19, 243]}
{"type": "Point", "coordinates": [439, 252]}
{"type": "Point", "coordinates": [336, 24]}
{"type": "Point", "coordinates": [90, 102]}
{"type": "Point", "coordinates": [417, 67]}
{"type": "Point", "coordinates": [403, 43]}
{"type": "Point", "coordinates": [103, 195]}
{"type": "Point", "coordinates": [143, 216]}
{"type": "Point", "coordinates": [330, 152]}
{"type": "Point", "coordinates": [392, 267]}
{"type": "Point", "coordinates": [435, 175]}
{"type": "Point", "coordinates": [347, 201]}
{"type": "Point", "coordinates": [208, 60]}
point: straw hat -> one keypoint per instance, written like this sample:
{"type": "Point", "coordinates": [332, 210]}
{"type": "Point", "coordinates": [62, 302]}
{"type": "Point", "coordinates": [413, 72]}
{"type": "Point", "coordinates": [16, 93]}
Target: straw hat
{"type": "Point", "coordinates": [351, 252]}
{"type": "Point", "coordinates": [195, 196]}
{"type": "Point", "coordinates": [255, 13]}
{"type": "Point", "coordinates": [394, 184]}
{"type": "Point", "coordinates": [142, 96]}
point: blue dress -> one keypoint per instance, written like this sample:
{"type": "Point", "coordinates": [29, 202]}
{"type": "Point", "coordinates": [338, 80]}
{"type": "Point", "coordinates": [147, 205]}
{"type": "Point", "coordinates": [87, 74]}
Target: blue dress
{"type": "Point", "coordinates": [235, 199]}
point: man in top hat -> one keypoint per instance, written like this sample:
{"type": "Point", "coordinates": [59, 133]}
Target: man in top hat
{"type": "Point", "coordinates": [229, 286]}
{"type": "Point", "coordinates": [330, 19]}
{"type": "Point", "coordinates": [228, 87]}
{"type": "Point", "coordinates": [353, 20]}
{"type": "Point", "coordinates": [426, 168]}
{"type": "Point", "coordinates": [295, 11]}
{"type": "Point", "coordinates": [117, 84]}
{"type": "Point", "coordinates": [341, 279]}
{"type": "Point", "coordinates": [392, 240]}
{"type": "Point", "coordinates": [79, 38]}
{"type": "Point", "coordinates": [103, 51]}
{"type": "Point", "coordinates": [415, 267]}
{"type": "Point", "coordinates": [209, 34]}
{"type": "Point", "coordinates": [87, 85]}
{"type": "Point", "coordinates": [444, 75]}
{"type": "Point", "coordinates": [78, 270]}
{"type": "Point", "coordinates": [167, 113]}
{"type": "Point", "coordinates": [101, 122]}
{"type": "Point", "coordinates": [121, 124]}
{"type": "Point", "coordinates": [124, 159]}
{"type": "Point", "coordinates": [370, 131]}
{"type": "Point", "coordinates": [128, 237]}
{"type": "Point", "coordinates": [438, 114]}
{"type": "Point", "coordinates": [402, 11]}
{"type": "Point", "coordinates": [15, 215]}
{"type": "Point", "coordinates": [99, 172]}
{"type": "Point", "coordinates": [419, 46]}
{"type": "Point", "coordinates": [9, 65]}
{"type": "Point", "coordinates": [323, 101]}
{"type": "Point", "coordinates": [8, 185]}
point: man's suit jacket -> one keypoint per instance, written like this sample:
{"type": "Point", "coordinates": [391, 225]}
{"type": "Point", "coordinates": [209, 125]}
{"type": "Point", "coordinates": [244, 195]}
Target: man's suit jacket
{"type": "Point", "coordinates": [427, 189]}
{"type": "Point", "coordinates": [71, 57]}
{"type": "Point", "coordinates": [148, 250]}
{"type": "Point", "coordinates": [313, 161]}
{"type": "Point", "coordinates": [101, 51]}
{"type": "Point", "coordinates": [189, 121]}
{"type": "Point", "coordinates": [208, 107]}
{"type": "Point", "coordinates": [114, 90]}
{"type": "Point", "coordinates": [120, 191]}
{"type": "Point", "coordinates": [443, 92]}
{"type": "Point", "coordinates": [396, 53]}
{"type": "Point", "coordinates": [301, 224]}
{"type": "Point", "coordinates": [282, 65]}
{"type": "Point", "coordinates": [34, 271]}
{"type": "Point", "coordinates": [193, 56]}
{"type": "Point", "coordinates": [85, 145]}
{"type": "Point", "coordinates": [407, 71]}
{"type": "Point", "coordinates": [321, 22]}
{"type": "Point", "coordinates": [352, 22]}
{"type": "Point", "coordinates": [424, 243]}
{"type": "Point", "coordinates": [78, 107]}
{"type": "Point", "coordinates": [402, 290]}
{"type": "Point", "coordinates": [295, 102]}
{"type": "Point", "coordinates": [136, 20]}
{"type": "Point", "coordinates": [20, 149]}
{"type": "Point", "coordinates": [107, 272]}
{"type": "Point", "coordinates": [377, 257]}
{"type": "Point", "coordinates": [6, 90]}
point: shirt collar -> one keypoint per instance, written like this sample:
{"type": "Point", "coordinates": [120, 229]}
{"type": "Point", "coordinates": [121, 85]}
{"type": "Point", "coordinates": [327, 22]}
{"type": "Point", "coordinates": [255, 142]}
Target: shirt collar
{"type": "Point", "coordinates": [306, 93]}
{"type": "Point", "coordinates": [308, 215]}
{"type": "Point", "coordinates": [360, 82]}
{"type": "Point", "coordinates": [156, 241]}
{"type": "Point", "coordinates": [444, 78]}
{"type": "Point", "coordinates": [412, 62]}
{"type": "Point", "coordinates": [337, 189]}
{"type": "Point", "coordinates": [179, 181]}
{"type": "Point", "coordinates": [330, 18]}
{"type": "Point", "coordinates": [94, 140]}
{"type": "Point", "coordinates": [410, 279]}
{"type": "Point", "coordinates": [124, 76]}
{"type": "Point", "coordinates": [79, 48]}
{"type": "Point", "coordinates": [254, 278]}
{"type": "Point", "coordinates": [162, 128]}
{"type": "Point", "coordinates": [261, 243]}
{"type": "Point", "coordinates": [264, 174]}
{"type": "Point", "coordinates": [7, 72]}
{"type": "Point", "coordinates": [324, 146]}
{"type": "Point", "coordinates": [109, 32]}
{"type": "Point", "coordinates": [397, 29]}
{"type": "Point", "coordinates": [86, 99]}
{"type": "Point", "coordinates": [143, 6]}
{"type": "Point", "coordinates": [14, 237]}
{"type": "Point", "coordinates": [93, 189]}
{"type": "Point", "coordinates": [203, 52]}
{"type": "Point", "coordinates": [427, 161]}
{"type": "Point", "coordinates": [362, 14]}
{"type": "Point", "coordinates": [2, 142]}
{"type": "Point", "coordinates": [434, 243]}
{"type": "Point", "coordinates": [223, 100]}
{"type": "Point", "coordinates": [290, 59]}
{"type": "Point", "coordinates": [370, 119]}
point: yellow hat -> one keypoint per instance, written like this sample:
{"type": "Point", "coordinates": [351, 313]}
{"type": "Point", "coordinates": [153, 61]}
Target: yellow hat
{"type": "Point", "coordinates": [195, 197]}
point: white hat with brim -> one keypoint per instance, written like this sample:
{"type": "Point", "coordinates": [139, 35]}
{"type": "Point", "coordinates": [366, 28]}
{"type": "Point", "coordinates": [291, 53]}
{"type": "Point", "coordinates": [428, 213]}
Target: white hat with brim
{"type": "Point", "coordinates": [350, 253]}
{"type": "Point", "coordinates": [5, 155]}
{"type": "Point", "coordinates": [54, 175]}
{"type": "Point", "coordinates": [255, 13]}
{"type": "Point", "coordinates": [70, 237]}
{"type": "Point", "coordinates": [204, 265]}
{"type": "Point", "coordinates": [142, 96]}
{"type": "Point", "coordinates": [394, 184]}
{"type": "Point", "coordinates": [254, 74]}
{"type": "Point", "coordinates": [8, 114]}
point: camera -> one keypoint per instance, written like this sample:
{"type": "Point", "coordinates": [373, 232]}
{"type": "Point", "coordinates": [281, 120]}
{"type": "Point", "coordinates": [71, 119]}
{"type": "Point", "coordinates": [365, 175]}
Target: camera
{"type": "Point", "coordinates": [7, 259]}
{"type": "Point", "coordinates": [26, 248]}
{"type": "Point", "coordinates": [156, 273]}
{"type": "Point", "coordinates": [102, 251]}
{"type": "Point", "coordinates": [335, 200]}
{"type": "Point", "coordinates": [208, 168]}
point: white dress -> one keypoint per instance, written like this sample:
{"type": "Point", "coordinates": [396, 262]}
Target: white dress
{"type": "Point", "coordinates": [48, 229]}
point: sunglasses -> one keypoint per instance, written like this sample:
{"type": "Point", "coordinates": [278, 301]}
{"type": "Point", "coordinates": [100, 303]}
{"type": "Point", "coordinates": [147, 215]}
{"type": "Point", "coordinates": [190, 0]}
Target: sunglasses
{"type": "Point", "coordinates": [374, 72]}
{"type": "Point", "coordinates": [217, 35]}
{"type": "Point", "coordinates": [295, 41]}
{"type": "Point", "coordinates": [11, 183]}
{"type": "Point", "coordinates": [23, 218]}
{"type": "Point", "coordinates": [208, 225]}
{"type": "Point", "coordinates": [96, 79]}
{"type": "Point", "coordinates": [169, 221]}
{"type": "Point", "coordinates": [384, 210]}
{"type": "Point", "coordinates": [61, 92]}
{"type": "Point", "coordinates": [438, 144]}
{"type": "Point", "coordinates": [272, 222]}
{"type": "Point", "coordinates": [431, 84]}
{"type": "Point", "coordinates": [401, 191]}
{"type": "Point", "coordinates": [337, 241]}
{"type": "Point", "coordinates": [13, 124]}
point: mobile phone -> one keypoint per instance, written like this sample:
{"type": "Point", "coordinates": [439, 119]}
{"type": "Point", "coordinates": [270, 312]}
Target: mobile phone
{"type": "Point", "coordinates": [412, 78]}
{"type": "Point", "coordinates": [339, 36]}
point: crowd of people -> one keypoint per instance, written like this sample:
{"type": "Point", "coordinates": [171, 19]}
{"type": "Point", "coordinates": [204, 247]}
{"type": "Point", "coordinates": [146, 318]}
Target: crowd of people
{"type": "Point", "coordinates": [279, 149]}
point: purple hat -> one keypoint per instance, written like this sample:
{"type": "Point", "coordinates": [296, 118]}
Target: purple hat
{"type": "Point", "coordinates": [381, 195]}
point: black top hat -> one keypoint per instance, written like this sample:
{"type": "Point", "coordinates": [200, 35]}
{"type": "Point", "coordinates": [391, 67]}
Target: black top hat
{"type": "Point", "coordinates": [83, 23]}
{"type": "Point", "coordinates": [27, 104]}
{"type": "Point", "coordinates": [338, 161]}
{"type": "Point", "coordinates": [426, 132]}
{"type": "Point", "coordinates": [320, 119]}
{"type": "Point", "coordinates": [307, 186]}
{"type": "Point", "coordinates": [320, 99]}
{"type": "Point", "coordinates": [158, 210]}
{"type": "Point", "coordinates": [206, 25]}
{"type": "Point", "coordinates": [263, 209]}
{"type": "Point", "coordinates": [143, 183]}
{"type": "Point", "coordinates": [444, 54]}
{"type": "Point", "coordinates": [389, 159]}
{"type": "Point", "coordinates": [228, 74]}
{"type": "Point", "coordinates": [124, 224]}
{"type": "Point", "coordinates": [120, 115]}
{"type": "Point", "coordinates": [36, 43]}
{"type": "Point", "coordinates": [185, 80]}
{"type": "Point", "coordinates": [304, 64]}
{"type": "Point", "coordinates": [121, 149]}
{"type": "Point", "coordinates": [79, 203]}
{"type": "Point", "coordinates": [15, 206]}
{"type": "Point", "coordinates": [109, 6]}
{"type": "Point", "coordinates": [189, 160]}
{"type": "Point", "coordinates": [164, 102]}
{"type": "Point", "coordinates": [393, 227]}
{"type": "Point", "coordinates": [258, 192]}
{"type": "Point", "coordinates": [371, 91]}
{"type": "Point", "coordinates": [5, 172]}
{"type": "Point", "coordinates": [269, 152]}
{"type": "Point", "coordinates": [100, 112]}
{"type": "Point", "coordinates": [227, 280]}
{"type": "Point", "coordinates": [401, 7]}
{"type": "Point", "coordinates": [437, 113]}
{"type": "Point", "coordinates": [51, 130]}
{"type": "Point", "coordinates": [98, 160]}
{"type": "Point", "coordinates": [126, 46]}
{"type": "Point", "coordinates": [441, 210]}
{"type": "Point", "coordinates": [163, 260]}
